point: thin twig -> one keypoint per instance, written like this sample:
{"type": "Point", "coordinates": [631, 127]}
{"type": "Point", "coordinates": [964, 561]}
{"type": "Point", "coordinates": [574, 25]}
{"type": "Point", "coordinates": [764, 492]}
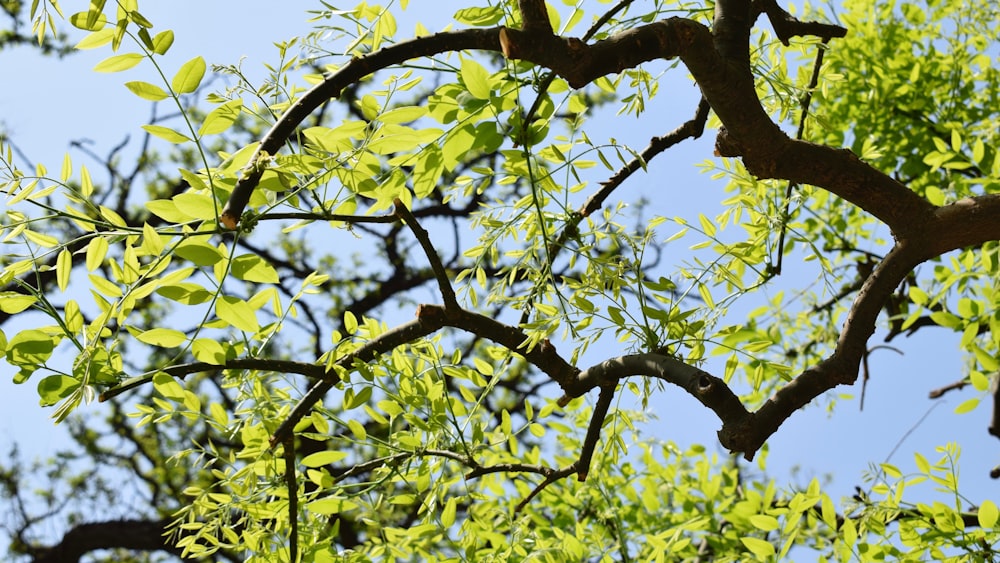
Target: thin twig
{"type": "Point", "coordinates": [293, 499]}
{"type": "Point", "coordinates": [329, 217]}
{"type": "Point", "coordinates": [440, 274]}
{"type": "Point", "coordinates": [806, 101]}
{"type": "Point", "coordinates": [691, 129]}
{"type": "Point", "coordinates": [594, 431]}
{"type": "Point", "coordinates": [551, 478]}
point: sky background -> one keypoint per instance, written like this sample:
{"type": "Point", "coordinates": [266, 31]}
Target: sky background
{"type": "Point", "coordinates": [46, 103]}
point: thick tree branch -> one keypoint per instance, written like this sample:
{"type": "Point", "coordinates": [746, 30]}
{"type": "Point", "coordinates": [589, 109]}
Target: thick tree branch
{"type": "Point", "coordinates": [726, 83]}
{"type": "Point", "coordinates": [721, 69]}
{"type": "Point", "coordinates": [138, 535]}
{"type": "Point", "coordinates": [535, 17]}
{"type": "Point", "coordinates": [787, 26]}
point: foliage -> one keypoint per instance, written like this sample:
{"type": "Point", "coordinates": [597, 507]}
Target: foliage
{"type": "Point", "coordinates": [358, 322]}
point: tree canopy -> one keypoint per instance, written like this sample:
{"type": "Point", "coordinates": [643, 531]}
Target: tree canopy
{"type": "Point", "coordinates": [397, 301]}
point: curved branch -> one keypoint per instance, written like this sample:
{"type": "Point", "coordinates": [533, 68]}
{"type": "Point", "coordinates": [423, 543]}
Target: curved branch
{"type": "Point", "coordinates": [353, 71]}
{"type": "Point", "coordinates": [140, 535]}
{"type": "Point", "coordinates": [444, 284]}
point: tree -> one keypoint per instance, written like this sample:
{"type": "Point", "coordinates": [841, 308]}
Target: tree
{"type": "Point", "coordinates": [426, 393]}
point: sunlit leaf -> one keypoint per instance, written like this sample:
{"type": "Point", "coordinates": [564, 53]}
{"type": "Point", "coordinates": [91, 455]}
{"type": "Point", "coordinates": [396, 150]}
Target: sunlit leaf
{"type": "Point", "coordinates": [118, 63]}
{"type": "Point", "coordinates": [165, 133]}
{"type": "Point", "coordinates": [189, 76]}
{"type": "Point", "coordinates": [146, 91]}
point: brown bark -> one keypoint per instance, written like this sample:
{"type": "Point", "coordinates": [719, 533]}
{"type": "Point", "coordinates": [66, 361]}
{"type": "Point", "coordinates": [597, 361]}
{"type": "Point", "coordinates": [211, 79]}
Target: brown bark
{"type": "Point", "coordinates": [719, 61]}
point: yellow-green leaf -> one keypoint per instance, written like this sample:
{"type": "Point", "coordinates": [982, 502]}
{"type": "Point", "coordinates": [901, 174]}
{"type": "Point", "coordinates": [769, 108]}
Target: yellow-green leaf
{"type": "Point", "coordinates": [319, 459]}
{"type": "Point", "coordinates": [189, 76]}
{"type": "Point", "coordinates": [64, 265]}
{"type": "Point", "coordinates": [251, 267]}
{"type": "Point", "coordinates": [208, 351]}
{"type": "Point", "coordinates": [146, 91]}
{"type": "Point", "coordinates": [54, 388]}
{"type": "Point", "coordinates": [13, 303]}
{"type": "Point", "coordinates": [759, 547]}
{"type": "Point", "coordinates": [448, 514]}
{"type": "Point", "coordinates": [165, 133]}
{"type": "Point", "coordinates": [987, 514]}
{"type": "Point", "coordinates": [357, 429]}
{"type": "Point", "coordinates": [162, 337]}
{"type": "Point", "coordinates": [350, 322]}
{"type": "Point", "coordinates": [95, 39]}
{"type": "Point", "coordinates": [764, 522]}
{"type": "Point", "coordinates": [330, 505]}
{"type": "Point", "coordinates": [967, 406]}
{"type": "Point", "coordinates": [196, 205]}
{"type": "Point", "coordinates": [476, 79]}
{"type": "Point", "coordinates": [96, 251]}
{"type": "Point", "coordinates": [162, 41]}
{"type": "Point", "coordinates": [934, 195]}
{"type": "Point", "coordinates": [167, 210]}
{"type": "Point", "coordinates": [118, 63]}
{"type": "Point", "coordinates": [168, 387]}
{"type": "Point", "coordinates": [221, 118]}
{"type": "Point", "coordinates": [92, 20]}
{"type": "Point", "coordinates": [237, 313]}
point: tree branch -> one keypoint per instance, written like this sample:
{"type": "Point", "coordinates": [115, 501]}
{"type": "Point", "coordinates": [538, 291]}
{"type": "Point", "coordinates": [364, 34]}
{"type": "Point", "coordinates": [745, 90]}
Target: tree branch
{"type": "Point", "coordinates": [440, 274]}
{"type": "Point", "coordinates": [356, 69]}
{"type": "Point", "coordinates": [139, 535]}
{"type": "Point", "coordinates": [787, 26]}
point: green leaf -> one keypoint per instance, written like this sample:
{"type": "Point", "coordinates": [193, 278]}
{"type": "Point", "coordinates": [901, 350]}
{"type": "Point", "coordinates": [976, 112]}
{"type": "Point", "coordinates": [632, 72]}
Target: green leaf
{"type": "Point", "coordinates": [481, 17]}
{"type": "Point", "coordinates": [967, 406]}
{"type": "Point", "coordinates": [186, 293]}
{"type": "Point", "coordinates": [319, 459]}
{"type": "Point", "coordinates": [167, 210]}
{"type": "Point", "coordinates": [162, 337]}
{"type": "Point", "coordinates": [30, 348]}
{"type": "Point", "coordinates": [934, 195]}
{"type": "Point", "coordinates": [166, 133]}
{"type": "Point", "coordinates": [13, 303]}
{"type": "Point", "coordinates": [64, 265]}
{"type": "Point", "coordinates": [199, 252]}
{"type": "Point", "coordinates": [208, 351]}
{"type": "Point", "coordinates": [476, 79]}
{"type": "Point", "coordinates": [357, 429]}
{"type": "Point", "coordinates": [987, 514]}
{"type": "Point", "coordinates": [147, 91]}
{"type": "Point", "coordinates": [162, 42]}
{"type": "Point", "coordinates": [196, 205]}
{"type": "Point", "coordinates": [95, 39]}
{"type": "Point", "coordinates": [758, 547]}
{"type": "Point", "coordinates": [188, 78]}
{"type": "Point", "coordinates": [330, 505]}
{"type": "Point", "coordinates": [764, 522]}
{"type": "Point", "coordinates": [118, 63]}
{"type": "Point", "coordinates": [237, 313]}
{"type": "Point", "coordinates": [93, 20]}
{"type": "Point", "coordinates": [167, 386]}
{"type": "Point", "coordinates": [253, 268]}
{"type": "Point", "coordinates": [350, 322]}
{"type": "Point", "coordinates": [221, 118]}
{"type": "Point", "coordinates": [448, 514]}
{"type": "Point", "coordinates": [55, 388]}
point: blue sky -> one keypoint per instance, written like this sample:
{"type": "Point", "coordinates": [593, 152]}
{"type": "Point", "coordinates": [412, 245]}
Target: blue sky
{"type": "Point", "coordinates": [46, 103]}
